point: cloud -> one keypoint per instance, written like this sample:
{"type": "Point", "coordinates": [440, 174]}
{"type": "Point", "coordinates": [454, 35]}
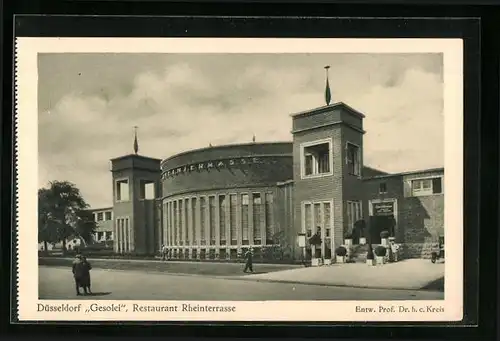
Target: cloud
{"type": "Point", "coordinates": [189, 102]}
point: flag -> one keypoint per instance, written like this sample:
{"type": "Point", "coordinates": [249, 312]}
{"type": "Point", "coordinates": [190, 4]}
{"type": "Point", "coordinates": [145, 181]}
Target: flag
{"type": "Point", "coordinates": [136, 144]}
{"type": "Point", "coordinates": [328, 94]}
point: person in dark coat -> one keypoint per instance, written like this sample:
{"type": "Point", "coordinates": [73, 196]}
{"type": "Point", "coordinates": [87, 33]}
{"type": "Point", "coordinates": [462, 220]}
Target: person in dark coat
{"type": "Point", "coordinates": [81, 273]}
{"type": "Point", "coordinates": [86, 275]}
{"type": "Point", "coordinates": [78, 271]}
{"type": "Point", "coordinates": [249, 260]}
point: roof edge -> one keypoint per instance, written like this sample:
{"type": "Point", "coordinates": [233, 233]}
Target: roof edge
{"type": "Point", "coordinates": [136, 156]}
{"type": "Point", "coordinates": [428, 170]}
{"type": "Point", "coordinates": [222, 147]}
{"type": "Point", "coordinates": [326, 107]}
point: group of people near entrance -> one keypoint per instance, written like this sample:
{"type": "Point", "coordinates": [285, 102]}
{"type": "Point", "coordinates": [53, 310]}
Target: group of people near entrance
{"type": "Point", "coordinates": [81, 272]}
{"type": "Point", "coordinates": [165, 254]}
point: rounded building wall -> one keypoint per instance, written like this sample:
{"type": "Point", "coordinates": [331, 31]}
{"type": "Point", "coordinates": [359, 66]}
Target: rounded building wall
{"type": "Point", "coordinates": [233, 166]}
{"type": "Point", "coordinates": [219, 224]}
{"type": "Point", "coordinates": [219, 201]}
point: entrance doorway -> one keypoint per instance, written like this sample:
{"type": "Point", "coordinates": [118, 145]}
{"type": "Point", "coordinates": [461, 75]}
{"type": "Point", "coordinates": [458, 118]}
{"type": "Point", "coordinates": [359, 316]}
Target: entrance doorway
{"type": "Point", "coordinates": [379, 224]}
{"type": "Point", "coordinates": [382, 218]}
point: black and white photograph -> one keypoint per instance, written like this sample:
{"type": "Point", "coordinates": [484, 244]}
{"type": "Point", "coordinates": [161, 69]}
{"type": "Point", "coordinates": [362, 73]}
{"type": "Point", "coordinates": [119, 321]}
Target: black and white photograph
{"type": "Point", "coordinates": [187, 175]}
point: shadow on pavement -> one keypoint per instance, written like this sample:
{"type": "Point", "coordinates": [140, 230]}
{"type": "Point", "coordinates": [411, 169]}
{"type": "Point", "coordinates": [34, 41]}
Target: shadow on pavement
{"type": "Point", "coordinates": [255, 273]}
{"type": "Point", "coordinates": [437, 285]}
{"type": "Point", "coordinates": [99, 294]}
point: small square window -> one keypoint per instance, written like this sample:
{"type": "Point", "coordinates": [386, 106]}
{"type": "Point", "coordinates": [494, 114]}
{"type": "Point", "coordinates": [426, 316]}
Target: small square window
{"type": "Point", "coordinates": [122, 190]}
{"type": "Point", "coordinates": [353, 159]}
{"type": "Point", "coordinates": [422, 187]}
{"type": "Point", "coordinates": [382, 188]}
{"type": "Point", "coordinates": [316, 159]}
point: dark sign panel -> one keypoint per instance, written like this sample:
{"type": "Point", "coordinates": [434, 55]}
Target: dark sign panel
{"type": "Point", "coordinates": [383, 208]}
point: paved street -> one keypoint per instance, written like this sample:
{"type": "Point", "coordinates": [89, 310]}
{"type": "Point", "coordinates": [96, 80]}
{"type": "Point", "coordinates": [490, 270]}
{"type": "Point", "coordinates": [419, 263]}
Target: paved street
{"type": "Point", "coordinates": [57, 283]}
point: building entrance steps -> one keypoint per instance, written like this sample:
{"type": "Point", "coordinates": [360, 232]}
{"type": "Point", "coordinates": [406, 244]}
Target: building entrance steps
{"type": "Point", "coordinates": [412, 274]}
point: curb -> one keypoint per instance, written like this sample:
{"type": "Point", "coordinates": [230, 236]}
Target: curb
{"type": "Point", "coordinates": [331, 284]}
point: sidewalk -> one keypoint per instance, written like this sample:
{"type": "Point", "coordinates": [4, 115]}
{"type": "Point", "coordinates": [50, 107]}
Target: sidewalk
{"type": "Point", "coordinates": [175, 261]}
{"type": "Point", "coordinates": [411, 274]}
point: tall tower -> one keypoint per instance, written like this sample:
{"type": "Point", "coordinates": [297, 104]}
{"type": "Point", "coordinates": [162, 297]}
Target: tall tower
{"type": "Point", "coordinates": [136, 185]}
{"type": "Point", "coordinates": [327, 167]}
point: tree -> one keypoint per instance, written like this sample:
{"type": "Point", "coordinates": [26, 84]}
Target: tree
{"type": "Point", "coordinates": [281, 247]}
{"type": "Point", "coordinates": [60, 213]}
{"type": "Point", "coordinates": [85, 226]}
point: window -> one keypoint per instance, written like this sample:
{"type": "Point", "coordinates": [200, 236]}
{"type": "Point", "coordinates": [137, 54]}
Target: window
{"type": "Point", "coordinates": [327, 210]}
{"type": "Point", "coordinates": [232, 214]}
{"type": "Point", "coordinates": [181, 221]}
{"type": "Point", "coordinates": [429, 186]}
{"type": "Point", "coordinates": [353, 214]}
{"type": "Point", "coordinates": [437, 185]}
{"type": "Point", "coordinates": [244, 217]}
{"type": "Point", "coordinates": [316, 159]}
{"type": "Point", "coordinates": [308, 220]}
{"type": "Point", "coordinates": [382, 188]}
{"type": "Point", "coordinates": [175, 227]}
{"type": "Point", "coordinates": [187, 232]}
{"type": "Point", "coordinates": [203, 218]}
{"type": "Point", "coordinates": [193, 219]}
{"type": "Point", "coordinates": [353, 159]}
{"type": "Point", "coordinates": [257, 209]}
{"type": "Point", "coordinates": [269, 218]}
{"type": "Point", "coordinates": [147, 189]}
{"type": "Point", "coordinates": [170, 218]}
{"type": "Point", "coordinates": [100, 216]}
{"type": "Point", "coordinates": [317, 218]}
{"type": "Point", "coordinates": [122, 190]}
{"type": "Point", "coordinates": [108, 216]}
{"type": "Point", "coordinates": [222, 216]}
{"type": "Point", "coordinates": [211, 204]}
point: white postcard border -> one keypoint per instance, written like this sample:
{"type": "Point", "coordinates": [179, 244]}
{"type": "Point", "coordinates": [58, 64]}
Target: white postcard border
{"type": "Point", "coordinates": [27, 50]}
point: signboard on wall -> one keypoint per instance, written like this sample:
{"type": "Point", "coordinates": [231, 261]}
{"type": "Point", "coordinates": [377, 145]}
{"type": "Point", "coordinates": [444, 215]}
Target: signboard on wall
{"type": "Point", "coordinates": [383, 208]}
{"type": "Point", "coordinates": [301, 240]}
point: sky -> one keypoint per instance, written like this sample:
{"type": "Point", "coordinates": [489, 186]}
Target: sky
{"type": "Point", "coordinates": [88, 105]}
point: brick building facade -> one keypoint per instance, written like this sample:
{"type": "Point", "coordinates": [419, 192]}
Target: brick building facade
{"type": "Point", "coordinates": [216, 202]}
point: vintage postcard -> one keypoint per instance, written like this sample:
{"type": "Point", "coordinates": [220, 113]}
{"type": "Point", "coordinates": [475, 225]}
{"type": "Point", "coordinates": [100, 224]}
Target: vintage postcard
{"type": "Point", "coordinates": [239, 179]}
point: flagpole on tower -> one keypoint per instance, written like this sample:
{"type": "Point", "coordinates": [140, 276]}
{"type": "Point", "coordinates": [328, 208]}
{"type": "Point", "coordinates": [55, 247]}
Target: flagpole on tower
{"type": "Point", "coordinates": [328, 94]}
{"type": "Point", "coordinates": [136, 144]}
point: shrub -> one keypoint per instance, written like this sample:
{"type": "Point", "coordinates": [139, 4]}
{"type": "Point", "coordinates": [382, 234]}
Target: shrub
{"type": "Point", "coordinates": [348, 236]}
{"type": "Point", "coordinates": [384, 234]}
{"type": "Point", "coordinates": [370, 255]}
{"type": "Point", "coordinates": [341, 251]}
{"type": "Point", "coordinates": [380, 251]}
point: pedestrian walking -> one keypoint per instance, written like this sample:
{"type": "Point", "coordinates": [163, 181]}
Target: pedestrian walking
{"type": "Point", "coordinates": [249, 260]}
{"type": "Point", "coordinates": [164, 252]}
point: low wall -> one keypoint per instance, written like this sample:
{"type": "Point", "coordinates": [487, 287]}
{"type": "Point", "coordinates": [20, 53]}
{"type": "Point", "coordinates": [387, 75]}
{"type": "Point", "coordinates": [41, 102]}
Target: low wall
{"type": "Point", "coordinates": [419, 250]}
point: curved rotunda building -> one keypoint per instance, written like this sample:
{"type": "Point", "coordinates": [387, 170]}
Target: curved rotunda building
{"type": "Point", "coordinates": [218, 199]}
{"type": "Point", "coordinates": [215, 202]}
